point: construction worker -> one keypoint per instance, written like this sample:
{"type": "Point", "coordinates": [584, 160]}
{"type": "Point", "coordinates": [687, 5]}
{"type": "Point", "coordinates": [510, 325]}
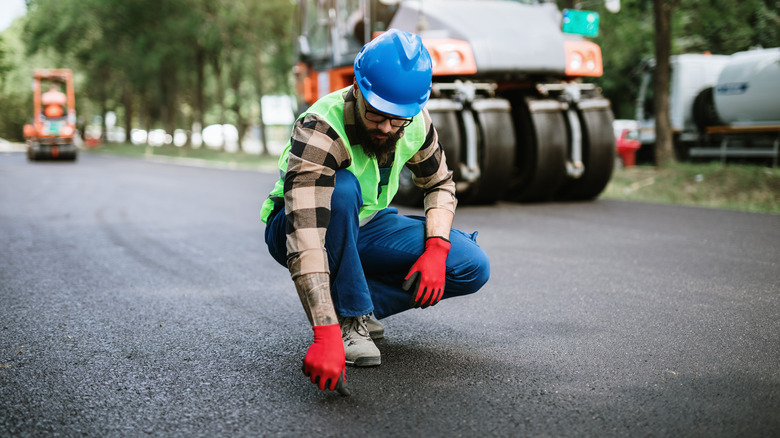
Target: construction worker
{"type": "Point", "coordinates": [352, 257]}
{"type": "Point", "coordinates": [53, 102]}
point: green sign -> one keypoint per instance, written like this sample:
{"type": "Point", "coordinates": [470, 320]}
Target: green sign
{"type": "Point", "coordinates": [584, 23]}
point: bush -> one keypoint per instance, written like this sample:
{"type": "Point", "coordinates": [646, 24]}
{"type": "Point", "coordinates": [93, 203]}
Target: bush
{"type": "Point", "coordinates": [15, 112]}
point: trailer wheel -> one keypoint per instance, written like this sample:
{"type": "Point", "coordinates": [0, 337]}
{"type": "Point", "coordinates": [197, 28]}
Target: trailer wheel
{"type": "Point", "coordinates": [704, 112]}
{"type": "Point", "coordinates": [540, 162]}
{"type": "Point", "coordinates": [598, 151]}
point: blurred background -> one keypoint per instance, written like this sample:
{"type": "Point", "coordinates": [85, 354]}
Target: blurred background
{"type": "Point", "coordinates": [220, 73]}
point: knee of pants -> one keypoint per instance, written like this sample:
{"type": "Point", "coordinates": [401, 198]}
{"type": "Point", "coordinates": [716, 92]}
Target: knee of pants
{"type": "Point", "coordinates": [470, 268]}
{"type": "Point", "coordinates": [347, 196]}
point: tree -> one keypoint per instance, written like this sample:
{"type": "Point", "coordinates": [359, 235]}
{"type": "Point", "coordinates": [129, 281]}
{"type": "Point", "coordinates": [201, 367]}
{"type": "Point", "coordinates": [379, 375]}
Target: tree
{"type": "Point", "coordinates": [662, 14]}
{"type": "Point", "coordinates": [626, 39]}
{"type": "Point", "coordinates": [272, 46]}
{"type": "Point", "coordinates": [16, 105]}
{"type": "Point", "coordinates": [726, 27]}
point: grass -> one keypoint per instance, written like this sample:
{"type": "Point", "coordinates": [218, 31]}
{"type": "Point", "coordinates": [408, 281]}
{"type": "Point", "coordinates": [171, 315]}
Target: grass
{"type": "Point", "coordinates": [730, 186]}
{"type": "Point", "coordinates": [235, 159]}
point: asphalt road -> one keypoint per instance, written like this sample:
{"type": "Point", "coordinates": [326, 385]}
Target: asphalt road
{"type": "Point", "coordinates": [138, 299]}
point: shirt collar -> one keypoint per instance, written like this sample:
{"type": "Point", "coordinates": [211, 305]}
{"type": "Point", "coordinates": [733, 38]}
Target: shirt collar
{"type": "Point", "coordinates": [350, 113]}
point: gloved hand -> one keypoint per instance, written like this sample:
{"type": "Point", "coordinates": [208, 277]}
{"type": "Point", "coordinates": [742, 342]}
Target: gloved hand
{"type": "Point", "coordinates": [325, 363]}
{"type": "Point", "coordinates": [426, 278]}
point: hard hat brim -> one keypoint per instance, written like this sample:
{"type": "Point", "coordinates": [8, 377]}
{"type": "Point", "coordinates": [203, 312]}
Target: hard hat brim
{"type": "Point", "coordinates": [390, 108]}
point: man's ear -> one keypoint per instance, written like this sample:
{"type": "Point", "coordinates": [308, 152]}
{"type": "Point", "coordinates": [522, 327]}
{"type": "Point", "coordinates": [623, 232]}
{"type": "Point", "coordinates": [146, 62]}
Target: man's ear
{"type": "Point", "coordinates": [356, 88]}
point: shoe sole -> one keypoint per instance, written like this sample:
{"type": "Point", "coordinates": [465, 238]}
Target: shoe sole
{"type": "Point", "coordinates": [366, 361]}
{"type": "Point", "coordinates": [377, 335]}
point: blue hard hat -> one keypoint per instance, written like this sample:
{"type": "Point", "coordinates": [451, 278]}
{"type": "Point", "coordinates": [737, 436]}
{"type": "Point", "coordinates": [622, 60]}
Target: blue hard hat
{"type": "Point", "coordinates": [394, 73]}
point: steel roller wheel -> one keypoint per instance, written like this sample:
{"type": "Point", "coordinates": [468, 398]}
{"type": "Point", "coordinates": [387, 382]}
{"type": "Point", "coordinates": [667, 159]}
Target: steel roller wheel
{"type": "Point", "coordinates": [444, 116]}
{"type": "Point", "coordinates": [31, 154]}
{"type": "Point", "coordinates": [598, 151]}
{"type": "Point", "coordinates": [495, 152]}
{"type": "Point", "coordinates": [540, 163]}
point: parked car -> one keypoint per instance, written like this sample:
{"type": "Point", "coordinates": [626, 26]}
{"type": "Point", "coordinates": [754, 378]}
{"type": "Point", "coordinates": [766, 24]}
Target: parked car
{"type": "Point", "coordinates": [627, 141]}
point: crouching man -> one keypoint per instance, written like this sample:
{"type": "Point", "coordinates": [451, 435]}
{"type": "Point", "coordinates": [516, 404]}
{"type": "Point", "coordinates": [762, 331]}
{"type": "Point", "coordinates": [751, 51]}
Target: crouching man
{"type": "Point", "coordinates": [354, 260]}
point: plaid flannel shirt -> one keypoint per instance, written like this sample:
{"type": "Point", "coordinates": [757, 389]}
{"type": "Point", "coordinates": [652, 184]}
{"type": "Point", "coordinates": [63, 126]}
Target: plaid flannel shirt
{"type": "Point", "coordinates": [316, 153]}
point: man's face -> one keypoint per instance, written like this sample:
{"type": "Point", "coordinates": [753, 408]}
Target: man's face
{"type": "Point", "coordinates": [379, 132]}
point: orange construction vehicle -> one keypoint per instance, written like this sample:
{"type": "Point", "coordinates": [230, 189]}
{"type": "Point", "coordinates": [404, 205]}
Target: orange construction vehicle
{"type": "Point", "coordinates": [51, 133]}
{"type": "Point", "coordinates": [509, 100]}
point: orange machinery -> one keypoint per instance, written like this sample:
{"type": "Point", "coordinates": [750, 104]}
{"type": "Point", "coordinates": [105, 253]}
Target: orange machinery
{"type": "Point", "coordinates": [51, 133]}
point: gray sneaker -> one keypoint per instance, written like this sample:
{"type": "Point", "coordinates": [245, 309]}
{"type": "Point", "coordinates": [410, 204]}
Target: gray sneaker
{"type": "Point", "coordinates": [359, 349]}
{"type": "Point", "coordinates": [375, 328]}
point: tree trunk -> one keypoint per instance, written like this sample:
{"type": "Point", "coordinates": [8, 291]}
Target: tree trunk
{"type": "Point", "coordinates": [103, 112]}
{"type": "Point", "coordinates": [220, 95]}
{"type": "Point", "coordinates": [235, 84]}
{"type": "Point", "coordinates": [169, 91]}
{"type": "Point", "coordinates": [127, 102]}
{"type": "Point", "coordinates": [103, 99]}
{"type": "Point", "coordinates": [259, 89]}
{"type": "Point", "coordinates": [664, 148]}
{"type": "Point", "coordinates": [200, 101]}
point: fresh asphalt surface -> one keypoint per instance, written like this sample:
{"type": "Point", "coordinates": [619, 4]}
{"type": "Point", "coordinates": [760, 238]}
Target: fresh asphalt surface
{"type": "Point", "coordinates": [138, 299]}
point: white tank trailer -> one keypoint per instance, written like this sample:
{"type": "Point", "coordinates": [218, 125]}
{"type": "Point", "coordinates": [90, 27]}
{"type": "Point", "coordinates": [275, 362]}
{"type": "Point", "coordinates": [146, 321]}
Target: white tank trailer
{"type": "Point", "coordinates": [748, 89]}
{"type": "Point", "coordinates": [721, 106]}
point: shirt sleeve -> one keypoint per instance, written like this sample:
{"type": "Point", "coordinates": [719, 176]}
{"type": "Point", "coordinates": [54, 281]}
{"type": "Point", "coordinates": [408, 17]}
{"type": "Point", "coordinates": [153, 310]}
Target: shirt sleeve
{"type": "Point", "coordinates": [316, 153]}
{"type": "Point", "coordinates": [429, 166]}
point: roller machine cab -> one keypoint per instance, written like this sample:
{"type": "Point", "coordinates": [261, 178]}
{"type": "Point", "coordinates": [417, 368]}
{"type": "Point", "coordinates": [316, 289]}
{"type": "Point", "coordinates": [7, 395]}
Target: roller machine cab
{"type": "Point", "coordinates": [513, 115]}
{"type": "Point", "coordinates": [51, 133]}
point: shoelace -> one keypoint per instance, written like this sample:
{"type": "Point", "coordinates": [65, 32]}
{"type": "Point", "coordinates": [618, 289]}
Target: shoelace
{"type": "Point", "coordinates": [356, 324]}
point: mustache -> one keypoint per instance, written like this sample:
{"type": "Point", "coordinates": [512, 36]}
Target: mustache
{"type": "Point", "coordinates": [390, 135]}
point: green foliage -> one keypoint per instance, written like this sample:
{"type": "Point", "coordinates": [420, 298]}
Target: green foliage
{"type": "Point", "coordinates": [626, 41]}
{"type": "Point", "coordinates": [170, 63]}
{"type": "Point", "coordinates": [5, 65]}
{"type": "Point", "coordinates": [726, 26]}
{"type": "Point", "coordinates": [717, 26]}
{"type": "Point", "coordinates": [13, 116]}
{"type": "Point", "coordinates": [165, 63]}
{"type": "Point", "coordinates": [15, 90]}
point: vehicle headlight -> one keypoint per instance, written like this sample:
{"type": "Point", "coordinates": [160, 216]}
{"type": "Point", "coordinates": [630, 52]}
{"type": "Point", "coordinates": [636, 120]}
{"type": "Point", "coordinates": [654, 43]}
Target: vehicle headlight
{"type": "Point", "coordinates": [583, 58]}
{"type": "Point", "coordinates": [66, 131]}
{"type": "Point", "coordinates": [575, 61]}
{"type": "Point", "coordinates": [450, 57]}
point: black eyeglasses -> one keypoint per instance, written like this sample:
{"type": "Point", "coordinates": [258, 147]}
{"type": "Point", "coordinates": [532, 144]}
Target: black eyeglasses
{"type": "Point", "coordinates": [377, 118]}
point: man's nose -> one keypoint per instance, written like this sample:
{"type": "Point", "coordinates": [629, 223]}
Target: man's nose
{"type": "Point", "coordinates": [385, 126]}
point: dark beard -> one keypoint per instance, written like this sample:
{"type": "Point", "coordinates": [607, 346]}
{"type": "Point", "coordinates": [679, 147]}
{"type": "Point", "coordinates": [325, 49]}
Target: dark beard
{"type": "Point", "coordinates": [381, 150]}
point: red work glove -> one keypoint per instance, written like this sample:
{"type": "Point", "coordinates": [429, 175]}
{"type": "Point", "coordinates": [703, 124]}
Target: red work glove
{"type": "Point", "coordinates": [426, 278]}
{"type": "Point", "coordinates": [324, 362]}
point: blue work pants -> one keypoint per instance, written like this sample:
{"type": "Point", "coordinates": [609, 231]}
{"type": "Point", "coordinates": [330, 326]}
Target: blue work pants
{"type": "Point", "coordinates": [368, 264]}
